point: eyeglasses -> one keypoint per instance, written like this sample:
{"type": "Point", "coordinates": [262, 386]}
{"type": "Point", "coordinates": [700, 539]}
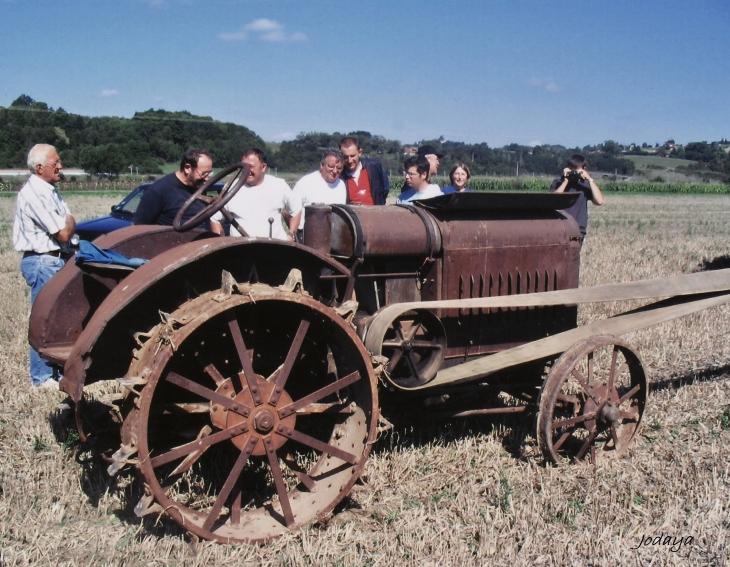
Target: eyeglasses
{"type": "Point", "coordinates": [54, 164]}
{"type": "Point", "coordinates": [204, 173]}
{"type": "Point", "coordinates": [411, 173]}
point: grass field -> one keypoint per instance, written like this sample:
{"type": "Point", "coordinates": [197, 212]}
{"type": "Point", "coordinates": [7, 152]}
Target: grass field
{"type": "Point", "coordinates": [472, 492]}
{"type": "Point", "coordinates": [658, 161]}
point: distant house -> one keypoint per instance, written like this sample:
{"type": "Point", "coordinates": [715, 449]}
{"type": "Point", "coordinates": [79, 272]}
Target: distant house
{"type": "Point", "coordinates": [410, 150]}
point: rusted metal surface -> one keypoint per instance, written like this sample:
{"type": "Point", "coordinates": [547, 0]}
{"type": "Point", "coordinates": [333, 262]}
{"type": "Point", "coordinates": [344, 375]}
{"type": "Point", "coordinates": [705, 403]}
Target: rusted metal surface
{"type": "Point", "coordinates": [382, 231]}
{"type": "Point", "coordinates": [593, 401]}
{"type": "Point", "coordinates": [67, 302]}
{"type": "Point", "coordinates": [298, 354]}
{"type": "Point", "coordinates": [693, 292]}
{"type": "Point", "coordinates": [104, 348]}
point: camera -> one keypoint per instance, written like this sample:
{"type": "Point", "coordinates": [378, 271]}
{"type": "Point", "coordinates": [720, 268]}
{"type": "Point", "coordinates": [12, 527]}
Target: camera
{"type": "Point", "coordinates": [574, 176]}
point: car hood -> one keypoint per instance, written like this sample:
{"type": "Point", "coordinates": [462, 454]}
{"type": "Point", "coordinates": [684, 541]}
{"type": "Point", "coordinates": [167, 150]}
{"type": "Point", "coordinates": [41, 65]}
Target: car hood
{"type": "Point", "coordinates": [101, 225]}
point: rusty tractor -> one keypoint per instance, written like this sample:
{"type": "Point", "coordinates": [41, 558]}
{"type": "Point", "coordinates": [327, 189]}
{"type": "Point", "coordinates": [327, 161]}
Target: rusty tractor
{"type": "Point", "coordinates": [254, 369]}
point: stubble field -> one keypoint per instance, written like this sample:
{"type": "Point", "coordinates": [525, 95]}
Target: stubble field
{"type": "Point", "coordinates": [470, 492]}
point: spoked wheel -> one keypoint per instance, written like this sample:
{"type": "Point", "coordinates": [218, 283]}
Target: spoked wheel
{"type": "Point", "coordinates": [258, 414]}
{"type": "Point", "coordinates": [213, 204]}
{"type": "Point", "coordinates": [592, 401]}
{"type": "Point", "coordinates": [415, 344]}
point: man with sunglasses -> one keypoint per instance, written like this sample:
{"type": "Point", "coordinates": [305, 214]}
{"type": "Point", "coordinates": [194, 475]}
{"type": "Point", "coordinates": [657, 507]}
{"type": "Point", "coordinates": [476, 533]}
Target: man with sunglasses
{"type": "Point", "coordinates": [41, 228]}
{"type": "Point", "coordinates": [164, 198]}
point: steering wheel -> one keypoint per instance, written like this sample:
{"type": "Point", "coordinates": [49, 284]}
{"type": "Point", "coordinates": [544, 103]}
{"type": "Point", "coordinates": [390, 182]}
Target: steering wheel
{"type": "Point", "coordinates": [213, 204]}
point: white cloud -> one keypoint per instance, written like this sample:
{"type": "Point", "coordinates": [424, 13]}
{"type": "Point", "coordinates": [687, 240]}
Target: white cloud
{"type": "Point", "coordinates": [109, 92]}
{"type": "Point", "coordinates": [263, 24]}
{"type": "Point", "coordinates": [547, 84]}
{"type": "Point", "coordinates": [263, 29]}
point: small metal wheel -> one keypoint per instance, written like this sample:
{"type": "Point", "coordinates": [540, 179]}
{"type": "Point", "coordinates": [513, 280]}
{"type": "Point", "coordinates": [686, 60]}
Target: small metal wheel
{"type": "Point", "coordinates": [415, 344]}
{"type": "Point", "coordinates": [213, 204]}
{"type": "Point", "coordinates": [257, 416]}
{"type": "Point", "coordinates": [592, 401]}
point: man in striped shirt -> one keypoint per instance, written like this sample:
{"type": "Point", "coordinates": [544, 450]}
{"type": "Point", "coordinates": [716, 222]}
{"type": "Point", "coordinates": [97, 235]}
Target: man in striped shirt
{"type": "Point", "coordinates": [41, 228]}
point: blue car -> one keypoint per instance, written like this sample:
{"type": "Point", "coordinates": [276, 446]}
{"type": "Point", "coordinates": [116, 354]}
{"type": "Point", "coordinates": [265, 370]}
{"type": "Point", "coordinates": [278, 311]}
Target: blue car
{"type": "Point", "coordinates": [120, 216]}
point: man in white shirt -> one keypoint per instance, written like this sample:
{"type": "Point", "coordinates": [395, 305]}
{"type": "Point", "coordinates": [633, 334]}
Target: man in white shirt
{"type": "Point", "coordinates": [324, 187]}
{"type": "Point", "coordinates": [262, 198]}
{"type": "Point", "coordinates": [417, 172]}
{"type": "Point", "coordinates": [41, 228]}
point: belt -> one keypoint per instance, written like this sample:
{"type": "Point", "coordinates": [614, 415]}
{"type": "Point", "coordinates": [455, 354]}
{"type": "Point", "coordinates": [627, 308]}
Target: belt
{"type": "Point", "coordinates": [56, 253]}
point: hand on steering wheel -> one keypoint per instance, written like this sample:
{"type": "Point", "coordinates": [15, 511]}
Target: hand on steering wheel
{"type": "Point", "coordinates": [213, 204]}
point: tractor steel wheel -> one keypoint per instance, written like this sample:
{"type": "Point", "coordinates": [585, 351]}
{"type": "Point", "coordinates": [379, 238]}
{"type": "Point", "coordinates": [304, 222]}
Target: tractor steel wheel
{"type": "Point", "coordinates": [258, 413]}
{"type": "Point", "coordinates": [592, 401]}
{"type": "Point", "coordinates": [415, 344]}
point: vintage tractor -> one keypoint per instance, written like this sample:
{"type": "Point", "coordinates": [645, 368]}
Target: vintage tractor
{"type": "Point", "coordinates": [255, 369]}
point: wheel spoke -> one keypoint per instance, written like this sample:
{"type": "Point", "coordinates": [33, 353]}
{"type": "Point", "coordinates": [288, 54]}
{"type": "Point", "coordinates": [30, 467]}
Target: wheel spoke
{"type": "Point", "coordinates": [590, 367]}
{"type": "Point", "coordinates": [207, 199]}
{"type": "Point", "coordinates": [246, 377]}
{"type": "Point", "coordinates": [212, 371]}
{"type": "Point", "coordinates": [199, 444]}
{"type": "Point", "coordinates": [230, 482]}
{"type": "Point", "coordinates": [426, 344]}
{"type": "Point", "coordinates": [394, 360]}
{"type": "Point", "coordinates": [279, 481]}
{"type": "Point", "coordinates": [563, 438]}
{"type": "Point", "coordinates": [578, 376]}
{"type": "Point", "coordinates": [319, 394]}
{"type": "Point", "coordinates": [612, 371]}
{"type": "Point", "coordinates": [586, 445]}
{"type": "Point", "coordinates": [614, 436]}
{"type": "Point", "coordinates": [193, 457]}
{"type": "Point", "coordinates": [412, 365]}
{"type": "Point", "coordinates": [301, 474]}
{"type": "Point", "coordinates": [208, 394]}
{"type": "Point", "coordinates": [291, 358]}
{"type": "Point", "coordinates": [316, 444]}
{"type": "Point", "coordinates": [573, 420]}
{"type": "Point", "coordinates": [631, 416]}
{"type": "Point", "coordinates": [569, 399]}
{"type": "Point", "coordinates": [628, 394]}
{"type": "Point", "coordinates": [330, 408]}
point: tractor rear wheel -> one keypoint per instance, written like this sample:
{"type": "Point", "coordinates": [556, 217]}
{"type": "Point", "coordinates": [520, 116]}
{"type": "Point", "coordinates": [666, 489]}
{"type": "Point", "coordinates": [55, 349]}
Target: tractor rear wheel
{"type": "Point", "coordinates": [257, 416]}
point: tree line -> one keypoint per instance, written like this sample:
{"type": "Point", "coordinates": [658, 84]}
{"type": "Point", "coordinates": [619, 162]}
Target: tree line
{"type": "Point", "coordinates": [109, 145]}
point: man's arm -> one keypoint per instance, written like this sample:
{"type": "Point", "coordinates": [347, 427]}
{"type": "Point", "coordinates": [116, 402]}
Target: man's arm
{"type": "Point", "coordinates": [216, 227]}
{"type": "Point", "coordinates": [596, 194]}
{"type": "Point", "coordinates": [65, 234]}
{"type": "Point", "coordinates": [149, 208]}
{"type": "Point", "coordinates": [563, 185]}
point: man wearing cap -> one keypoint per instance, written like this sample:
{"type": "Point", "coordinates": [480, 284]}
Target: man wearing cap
{"type": "Point", "coordinates": [366, 180]}
{"type": "Point", "coordinates": [41, 228]}
{"type": "Point", "coordinates": [430, 153]}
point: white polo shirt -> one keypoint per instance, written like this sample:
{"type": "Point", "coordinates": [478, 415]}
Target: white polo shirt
{"type": "Point", "coordinates": [253, 206]}
{"type": "Point", "coordinates": [313, 189]}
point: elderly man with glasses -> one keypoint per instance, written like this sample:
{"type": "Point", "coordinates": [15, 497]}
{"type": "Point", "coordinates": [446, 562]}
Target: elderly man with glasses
{"type": "Point", "coordinates": [164, 198]}
{"type": "Point", "coordinates": [322, 187]}
{"type": "Point", "coordinates": [41, 228]}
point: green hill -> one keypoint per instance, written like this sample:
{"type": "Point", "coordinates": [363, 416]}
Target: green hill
{"type": "Point", "coordinates": [110, 144]}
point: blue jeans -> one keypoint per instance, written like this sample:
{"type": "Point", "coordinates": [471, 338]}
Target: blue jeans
{"type": "Point", "coordinates": [37, 270]}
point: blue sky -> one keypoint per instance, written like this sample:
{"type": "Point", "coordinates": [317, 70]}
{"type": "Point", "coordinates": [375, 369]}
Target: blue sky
{"type": "Point", "coordinates": [524, 71]}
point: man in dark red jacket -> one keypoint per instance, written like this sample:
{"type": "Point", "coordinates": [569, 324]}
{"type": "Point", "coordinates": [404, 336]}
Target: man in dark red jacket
{"type": "Point", "coordinates": [367, 182]}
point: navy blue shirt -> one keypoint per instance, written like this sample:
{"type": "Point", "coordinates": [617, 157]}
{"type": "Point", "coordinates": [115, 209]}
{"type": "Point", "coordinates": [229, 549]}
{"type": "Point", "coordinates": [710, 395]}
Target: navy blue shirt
{"type": "Point", "coordinates": [164, 198]}
{"type": "Point", "coordinates": [579, 211]}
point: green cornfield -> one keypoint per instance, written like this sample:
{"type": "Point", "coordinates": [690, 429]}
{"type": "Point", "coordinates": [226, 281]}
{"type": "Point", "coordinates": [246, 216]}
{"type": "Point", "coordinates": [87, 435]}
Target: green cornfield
{"type": "Point", "coordinates": [507, 184]}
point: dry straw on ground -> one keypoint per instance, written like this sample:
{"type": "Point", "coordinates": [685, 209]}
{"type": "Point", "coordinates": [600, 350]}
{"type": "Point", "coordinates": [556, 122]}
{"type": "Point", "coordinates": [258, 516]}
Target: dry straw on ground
{"type": "Point", "coordinates": [464, 493]}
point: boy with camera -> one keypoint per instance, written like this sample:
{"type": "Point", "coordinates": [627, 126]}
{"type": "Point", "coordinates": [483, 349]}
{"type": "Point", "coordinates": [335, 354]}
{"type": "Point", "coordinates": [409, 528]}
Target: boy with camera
{"type": "Point", "coordinates": [576, 179]}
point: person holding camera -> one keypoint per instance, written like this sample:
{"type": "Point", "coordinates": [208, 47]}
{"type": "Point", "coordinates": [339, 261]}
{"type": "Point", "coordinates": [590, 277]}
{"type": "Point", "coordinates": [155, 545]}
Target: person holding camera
{"type": "Point", "coordinates": [576, 179]}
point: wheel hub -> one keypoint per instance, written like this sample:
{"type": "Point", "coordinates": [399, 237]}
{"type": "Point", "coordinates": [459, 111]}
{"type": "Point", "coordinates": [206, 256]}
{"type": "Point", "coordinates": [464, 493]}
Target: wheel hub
{"type": "Point", "coordinates": [263, 419]}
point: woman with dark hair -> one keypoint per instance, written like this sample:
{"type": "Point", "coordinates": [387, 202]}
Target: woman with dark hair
{"type": "Point", "coordinates": [460, 176]}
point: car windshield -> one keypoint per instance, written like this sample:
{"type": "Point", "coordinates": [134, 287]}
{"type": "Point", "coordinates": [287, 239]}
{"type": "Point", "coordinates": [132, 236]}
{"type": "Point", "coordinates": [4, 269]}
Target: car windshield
{"type": "Point", "coordinates": [130, 204]}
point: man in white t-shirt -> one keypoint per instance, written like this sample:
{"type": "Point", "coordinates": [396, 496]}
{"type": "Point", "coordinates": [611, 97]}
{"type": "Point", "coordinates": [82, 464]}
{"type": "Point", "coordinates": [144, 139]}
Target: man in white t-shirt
{"type": "Point", "coordinates": [260, 204]}
{"type": "Point", "coordinates": [324, 187]}
{"type": "Point", "coordinates": [417, 172]}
